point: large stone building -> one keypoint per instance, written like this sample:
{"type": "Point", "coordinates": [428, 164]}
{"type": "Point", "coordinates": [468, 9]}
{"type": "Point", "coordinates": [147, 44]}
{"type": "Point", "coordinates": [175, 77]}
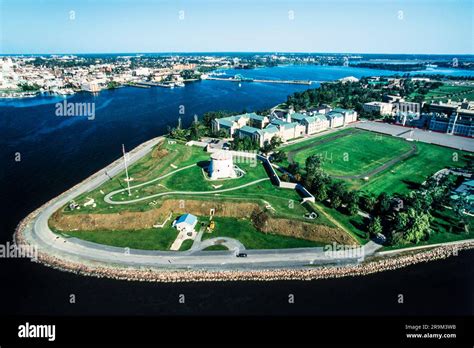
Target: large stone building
{"type": "Point", "coordinates": [293, 125]}
{"type": "Point", "coordinates": [380, 108]}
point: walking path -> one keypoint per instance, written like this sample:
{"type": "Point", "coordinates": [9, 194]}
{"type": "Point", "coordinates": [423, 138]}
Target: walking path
{"type": "Point", "coordinates": [108, 200]}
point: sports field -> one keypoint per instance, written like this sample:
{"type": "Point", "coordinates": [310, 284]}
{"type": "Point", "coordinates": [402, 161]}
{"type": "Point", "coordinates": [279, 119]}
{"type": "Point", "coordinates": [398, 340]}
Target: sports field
{"type": "Point", "coordinates": [355, 154]}
{"type": "Point", "coordinates": [376, 163]}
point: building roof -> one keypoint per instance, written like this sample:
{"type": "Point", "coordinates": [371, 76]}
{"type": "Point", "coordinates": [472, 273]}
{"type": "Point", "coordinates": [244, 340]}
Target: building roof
{"type": "Point", "coordinates": [284, 124]}
{"type": "Point", "coordinates": [334, 114]}
{"type": "Point", "coordinates": [320, 117]}
{"type": "Point", "coordinates": [189, 219]}
{"type": "Point", "coordinates": [271, 128]}
{"type": "Point", "coordinates": [225, 122]}
{"type": "Point", "coordinates": [341, 110]}
{"type": "Point", "coordinates": [248, 129]}
{"type": "Point", "coordinates": [298, 116]}
{"type": "Point", "coordinates": [254, 116]}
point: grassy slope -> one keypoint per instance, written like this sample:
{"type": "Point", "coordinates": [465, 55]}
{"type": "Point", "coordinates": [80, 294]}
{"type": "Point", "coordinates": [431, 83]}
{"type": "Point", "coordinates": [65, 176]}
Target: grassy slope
{"type": "Point", "coordinates": [244, 231]}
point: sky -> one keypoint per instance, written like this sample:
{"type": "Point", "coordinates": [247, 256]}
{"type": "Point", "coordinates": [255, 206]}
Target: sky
{"type": "Point", "coordinates": [336, 26]}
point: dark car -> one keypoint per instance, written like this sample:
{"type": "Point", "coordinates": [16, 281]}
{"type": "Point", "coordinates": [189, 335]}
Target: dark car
{"type": "Point", "coordinates": [241, 255]}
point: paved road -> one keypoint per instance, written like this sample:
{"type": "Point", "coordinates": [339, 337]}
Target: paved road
{"type": "Point", "coordinates": [37, 232]}
{"type": "Point", "coordinates": [443, 139]}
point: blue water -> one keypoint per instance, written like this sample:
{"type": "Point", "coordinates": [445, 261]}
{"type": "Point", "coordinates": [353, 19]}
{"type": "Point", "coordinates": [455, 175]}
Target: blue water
{"type": "Point", "coordinates": [58, 152]}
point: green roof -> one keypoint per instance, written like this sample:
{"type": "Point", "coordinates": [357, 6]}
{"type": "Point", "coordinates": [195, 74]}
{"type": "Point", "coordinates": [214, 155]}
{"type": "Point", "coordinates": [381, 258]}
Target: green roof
{"type": "Point", "coordinates": [298, 116]}
{"type": "Point", "coordinates": [254, 116]}
{"type": "Point", "coordinates": [270, 129]}
{"type": "Point", "coordinates": [248, 129]}
{"type": "Point", "coordinates": [225, 122]}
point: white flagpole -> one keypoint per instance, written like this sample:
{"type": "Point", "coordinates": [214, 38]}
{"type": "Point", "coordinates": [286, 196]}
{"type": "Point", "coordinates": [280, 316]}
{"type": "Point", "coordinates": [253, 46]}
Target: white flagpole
{"type": "Point", "coordinates": [126, 169]}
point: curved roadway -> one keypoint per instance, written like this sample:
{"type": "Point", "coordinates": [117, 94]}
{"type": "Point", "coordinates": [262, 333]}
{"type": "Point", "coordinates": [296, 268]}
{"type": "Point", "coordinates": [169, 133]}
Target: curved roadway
{"type": "Point", "coordinates": [37, 232]}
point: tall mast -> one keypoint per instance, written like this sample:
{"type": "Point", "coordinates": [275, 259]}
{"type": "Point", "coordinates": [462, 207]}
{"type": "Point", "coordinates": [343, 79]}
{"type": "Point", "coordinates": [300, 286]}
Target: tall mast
{"type": "Point", "coordinates": [126, 169]}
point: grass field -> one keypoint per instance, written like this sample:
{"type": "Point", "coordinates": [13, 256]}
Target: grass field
{"type": "Point", "coordinates": [445, 92]}
{"type": "Point", "coordinates": [410, 173]}
{"type": "Point", "coordinates": [148, 239]}
{"type": "Point", "coordinates": [245, 232]}
{"type": "Point", "coordinates": [366, 151]}
{"type": "Point", "coordinates": [356, 153]}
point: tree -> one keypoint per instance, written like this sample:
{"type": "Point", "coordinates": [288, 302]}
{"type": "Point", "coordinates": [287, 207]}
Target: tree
{"type": "Point", "coordinates": [319, 188]}
{"type": "Point", "coordinates": [375, 226]}
{"type": "Point", "coordinates": [279, 156]}
{"type": "Point", "coordinates": [294, 167]}
{"type": "Point", "coordinates": [313, 165]}
{"type": "Point", "coordinates": [418, 226]}
{"type": "Point", "coordinates": [383, 204]}
{"type": "Point", "coordinates": [367, 203]}
{"type": "Point", "coordinates": [459, 207]}
{"type": "Point", "coordinates": [400, 222]}
{"type": "Point", "coordinates": [351, 199]}
{"type": "Point", "coordinates": [275, 142]}
{"type": "Point", "coordinates": [335, 194]}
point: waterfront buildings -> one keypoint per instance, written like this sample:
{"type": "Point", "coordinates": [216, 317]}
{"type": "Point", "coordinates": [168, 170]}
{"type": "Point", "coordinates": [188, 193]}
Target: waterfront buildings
{"type": "Point", "coordinates": [293, 125]}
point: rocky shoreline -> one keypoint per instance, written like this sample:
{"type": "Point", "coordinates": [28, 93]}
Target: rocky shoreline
{"type": "Point", "coordinates": [101, 270]}
{"type": "Point", "coordinates": [305, 274]}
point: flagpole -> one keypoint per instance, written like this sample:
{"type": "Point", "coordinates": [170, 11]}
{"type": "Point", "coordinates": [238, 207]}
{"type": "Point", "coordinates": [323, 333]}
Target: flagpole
{"type": "Point", "coordinates": [126, 169]}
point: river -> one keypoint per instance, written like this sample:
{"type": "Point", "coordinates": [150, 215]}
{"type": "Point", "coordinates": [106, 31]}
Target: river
{"type": "Point", "coordinates": [58, 152]}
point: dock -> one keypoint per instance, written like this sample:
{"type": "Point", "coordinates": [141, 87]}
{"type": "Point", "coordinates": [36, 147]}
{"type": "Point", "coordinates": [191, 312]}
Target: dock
{"type": "Point", "coordinates": [233, 79]}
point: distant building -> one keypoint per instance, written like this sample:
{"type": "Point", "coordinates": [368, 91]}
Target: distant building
{"type": "Point", "coordinates": [455, 118]}
{"type": "Point", "coordinates": [185, 223]}
{"type": "Point", "coordinates": [379, 108]}
{"type": "Point", "coordinates": [92, 87]}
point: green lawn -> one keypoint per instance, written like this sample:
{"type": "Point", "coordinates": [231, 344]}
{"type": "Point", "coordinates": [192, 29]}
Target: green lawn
{"type": "Point", "coordinates": [216, 248]}
{"type": "Point", "coordinates": [245, 232]}
{"type": "Point", "coordinates": [355, 153]}
{"type": "Point", "coordinates": [445, 92]}
{"type": "Point", "coordinates": [411, 172]}
{"type": "Point", "coordinates": [147, 239]}
{"type": "Point", "coordinates": [186, 245]}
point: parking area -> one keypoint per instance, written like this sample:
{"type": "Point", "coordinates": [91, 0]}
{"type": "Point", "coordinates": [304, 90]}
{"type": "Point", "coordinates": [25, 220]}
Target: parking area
{"type": "Point", "coordinates": [426, 136]}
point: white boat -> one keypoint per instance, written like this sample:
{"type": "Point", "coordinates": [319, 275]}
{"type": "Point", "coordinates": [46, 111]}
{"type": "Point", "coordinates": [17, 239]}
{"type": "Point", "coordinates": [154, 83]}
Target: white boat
{"type": "Point", "coordinates": [179, 84]}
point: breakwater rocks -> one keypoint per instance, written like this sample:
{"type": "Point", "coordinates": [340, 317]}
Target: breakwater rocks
{"type": "Point", "coordinates": [308, 273]}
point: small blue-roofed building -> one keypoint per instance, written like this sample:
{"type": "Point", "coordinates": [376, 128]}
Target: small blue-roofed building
{"type": "Point", "coordinates": [185, 223]}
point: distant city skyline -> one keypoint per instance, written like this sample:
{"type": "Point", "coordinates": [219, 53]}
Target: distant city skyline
{"type": "Point", "coordinates": [211, 26]}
